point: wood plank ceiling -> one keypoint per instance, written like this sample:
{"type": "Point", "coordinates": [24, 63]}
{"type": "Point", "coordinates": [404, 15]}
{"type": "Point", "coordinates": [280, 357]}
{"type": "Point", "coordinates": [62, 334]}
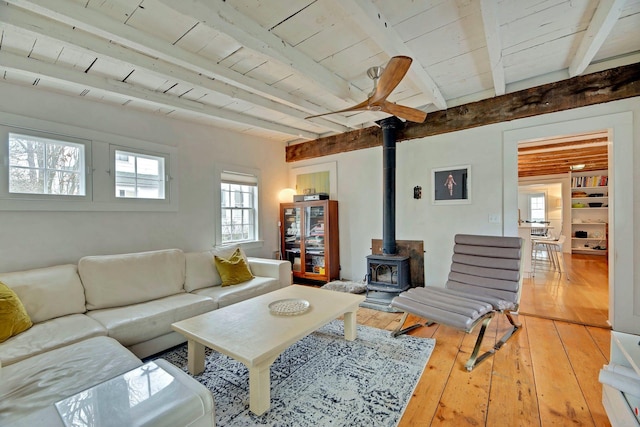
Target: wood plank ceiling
{"type": "Point", "coordinates": [260, 67]}
{"type": "Point", "coordinates": [581, 153]}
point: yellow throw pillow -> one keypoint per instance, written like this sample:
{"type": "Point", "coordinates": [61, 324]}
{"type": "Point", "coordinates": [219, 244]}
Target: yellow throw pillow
{"type": "Point", "coordinates": [233, 270]}
{"type": "Point", "coordinates": [13, 316]}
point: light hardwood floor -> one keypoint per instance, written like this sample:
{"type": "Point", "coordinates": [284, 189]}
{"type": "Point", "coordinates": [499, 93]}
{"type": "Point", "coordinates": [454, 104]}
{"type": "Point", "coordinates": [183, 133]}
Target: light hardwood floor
{"type": "Point", "coordinates": [580, 296]}
{"type": "Point", "coordinates": [546, 375]}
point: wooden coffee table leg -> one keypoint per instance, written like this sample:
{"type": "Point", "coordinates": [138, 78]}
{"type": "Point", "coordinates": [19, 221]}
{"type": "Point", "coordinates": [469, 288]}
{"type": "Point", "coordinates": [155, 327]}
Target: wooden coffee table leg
{"type": "Point", "coordinates": [350, 327]}
{"type": "Point", "coordinates": [260, 386]}
{"type": "Point", "coordinates": [259, 389]}
{"type": "Point", "coordinates": [195, 357]}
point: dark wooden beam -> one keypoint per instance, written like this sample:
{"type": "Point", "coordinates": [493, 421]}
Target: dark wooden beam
{"type": "Point", "coordinates": [596, 88]}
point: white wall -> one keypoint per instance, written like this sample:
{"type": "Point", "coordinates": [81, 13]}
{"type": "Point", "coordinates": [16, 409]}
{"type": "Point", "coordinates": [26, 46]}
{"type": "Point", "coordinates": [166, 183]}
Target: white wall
{"type": "Point", "coordinates": [493, 160]}
{"type": "Point", "coordinates": [38, 239]}
{"type": "Point", "coordinates": [33, 239]}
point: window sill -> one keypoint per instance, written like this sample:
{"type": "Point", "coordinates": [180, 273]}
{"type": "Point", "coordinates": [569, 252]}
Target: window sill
{"type": "Point", "coordinates": [245, 244]}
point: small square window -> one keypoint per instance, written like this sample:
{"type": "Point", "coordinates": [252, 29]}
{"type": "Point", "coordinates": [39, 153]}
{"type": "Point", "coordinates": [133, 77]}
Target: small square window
{"type": "Point", "coordinates": [139, 176]}
{"type": "Point", "coordinates": [39, 165]}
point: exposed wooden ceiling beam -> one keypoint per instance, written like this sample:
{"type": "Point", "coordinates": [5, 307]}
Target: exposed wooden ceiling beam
{"type": "Point", "coordinates": [604, 86]}
{"type": "Point", "coordinates": [224, 18]}
{"type": "Point", "coordinates": [93, 22]}
{"type": "Point", "coordinates": [373, 22]}
{"type": "Point", "coordinates": [604, 18]}
{"type": "Point", "coordinates": [93, 45]}
{"type": "Point", "coordinates": [40, 69]}
{"type": "Point", "coordinates": [494, 44]}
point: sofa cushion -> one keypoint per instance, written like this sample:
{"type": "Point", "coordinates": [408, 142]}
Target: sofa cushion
{"type": "Point", "coordinates": [42, 380]}
{"type": "Point", "coordinates": [47, 293]}
{"type": "Point", "coordinates": [45, 336]}
{"type": "Point", "coordinates": [13, 317]}
{"type": "Point", "coordinates": [201, 271]}
{"type": "Point", "coordinates": [232, 270]}
{"type": "Point", "coordinates": [232, 294]}
{"type": "Point", "coordinates": [141, 322]}
{"type": "Point", "coordinates": [125, 279]}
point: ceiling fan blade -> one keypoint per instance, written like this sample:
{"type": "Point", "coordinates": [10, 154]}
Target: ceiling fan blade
{"type": "Point", "coordinates": [358, 107]}
{"type": "Point", "coordinates": [404, 112]}
{"type": "Point", "coordinates": [393, 73]}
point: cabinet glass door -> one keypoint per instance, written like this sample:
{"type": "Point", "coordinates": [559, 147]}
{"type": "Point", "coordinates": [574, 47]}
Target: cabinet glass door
{"type": "Point", "coordinates": [291, 230]}
{"type": "Point", "coordinates": [314, 227]}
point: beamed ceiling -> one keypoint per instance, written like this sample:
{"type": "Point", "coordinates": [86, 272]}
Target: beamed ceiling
{"type": "Point", "coordinates": [260, 67]}
{"type": "Point", "coordinates": [553, 156]}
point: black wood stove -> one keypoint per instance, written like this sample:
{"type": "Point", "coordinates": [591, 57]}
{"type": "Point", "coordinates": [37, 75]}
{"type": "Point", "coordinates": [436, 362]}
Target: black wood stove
{"type": "Point", "coordinates": [387, 274]}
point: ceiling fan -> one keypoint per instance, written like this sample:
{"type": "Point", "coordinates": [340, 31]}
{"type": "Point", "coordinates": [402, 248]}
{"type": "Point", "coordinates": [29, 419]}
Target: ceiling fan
{"type": "Point", "coordinates": [385, 81]}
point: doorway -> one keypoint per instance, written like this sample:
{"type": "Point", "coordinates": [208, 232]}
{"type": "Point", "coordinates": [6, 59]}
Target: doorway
{"type": "Point", "coordinates": [545, 171]}
{"type": "Point", "coordinates": [622, 315]}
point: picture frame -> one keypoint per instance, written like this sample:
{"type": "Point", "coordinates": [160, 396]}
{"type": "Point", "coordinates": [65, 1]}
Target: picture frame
{"type": "Point", "coordinates": [451, 185]}
{"type": "Point", "coordinates": [313, 173]}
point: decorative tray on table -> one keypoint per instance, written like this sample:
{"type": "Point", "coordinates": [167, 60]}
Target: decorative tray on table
{"type": "Point", "coordinates": [289, 307]}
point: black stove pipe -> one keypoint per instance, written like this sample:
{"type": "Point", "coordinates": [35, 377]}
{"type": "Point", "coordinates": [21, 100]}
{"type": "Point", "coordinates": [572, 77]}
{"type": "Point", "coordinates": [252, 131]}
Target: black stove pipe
{"type": "Point", "coordinates": [389, 126]}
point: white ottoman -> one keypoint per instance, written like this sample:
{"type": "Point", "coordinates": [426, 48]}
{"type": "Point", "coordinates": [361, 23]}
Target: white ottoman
{"type": "Point", "coordinates": [155, 394]}
{"type": "Point", "coordinates": [99, 382]}
{"type": "Point", "coordinates": [36, 383]}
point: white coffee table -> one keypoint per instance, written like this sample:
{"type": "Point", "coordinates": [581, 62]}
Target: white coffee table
{"type": "Point", "coordinates": [250, 333]}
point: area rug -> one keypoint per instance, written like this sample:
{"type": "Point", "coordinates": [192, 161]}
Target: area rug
{"type": "Point", "coordinates": [321, 380]}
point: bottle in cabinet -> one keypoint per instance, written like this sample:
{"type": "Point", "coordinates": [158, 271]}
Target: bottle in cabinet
{"type": "Point", "coordinates": [310, 239]}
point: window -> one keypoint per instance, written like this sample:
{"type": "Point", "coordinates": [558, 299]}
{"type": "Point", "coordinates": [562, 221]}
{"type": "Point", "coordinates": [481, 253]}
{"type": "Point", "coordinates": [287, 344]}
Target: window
{"type": "Point", "coordinates": [139, 176]}
{"type": "Point", "coordinates": [63, 168]}
{"type": "Point", "coordinates": [39, 165]}
{"type": "Point", "coordinates": [537, 208]}
{"type": "Point", "coordinates": [239, 207]}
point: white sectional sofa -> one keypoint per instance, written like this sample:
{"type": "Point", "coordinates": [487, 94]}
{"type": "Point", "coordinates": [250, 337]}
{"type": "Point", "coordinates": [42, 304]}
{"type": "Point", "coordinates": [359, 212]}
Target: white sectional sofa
{"type": "Point", "coordinates": [110, 311]}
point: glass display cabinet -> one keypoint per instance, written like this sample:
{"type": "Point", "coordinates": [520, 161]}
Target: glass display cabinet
{"type": "Point", "coordinates": [310, 239]}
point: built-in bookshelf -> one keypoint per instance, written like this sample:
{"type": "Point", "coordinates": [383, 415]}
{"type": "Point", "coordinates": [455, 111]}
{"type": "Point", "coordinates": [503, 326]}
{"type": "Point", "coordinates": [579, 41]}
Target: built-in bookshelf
{"type": "Point", "coordinates": [589, 181]}
{"type": "Point", "coordinates": [589, 212]}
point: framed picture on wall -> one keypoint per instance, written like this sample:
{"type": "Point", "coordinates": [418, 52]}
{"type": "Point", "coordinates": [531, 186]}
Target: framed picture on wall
{"type": "Point", "coordinates": [320, 178]}
{"type": "Point", "coordinates": [451, 185]}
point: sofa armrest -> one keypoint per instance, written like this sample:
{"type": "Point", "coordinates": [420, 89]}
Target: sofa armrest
{"type": "Point", "coordinates": [277, 269]}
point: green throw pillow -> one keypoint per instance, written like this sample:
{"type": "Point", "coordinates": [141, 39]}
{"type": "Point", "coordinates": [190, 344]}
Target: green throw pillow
{"type": "Point", "coordinates": [233, 270]}
{"type": "Point", "coordinates": [13, 316]}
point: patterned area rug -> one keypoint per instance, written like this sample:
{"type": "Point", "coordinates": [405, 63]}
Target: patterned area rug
{"type": "Point", "coordinates": [321, 380]}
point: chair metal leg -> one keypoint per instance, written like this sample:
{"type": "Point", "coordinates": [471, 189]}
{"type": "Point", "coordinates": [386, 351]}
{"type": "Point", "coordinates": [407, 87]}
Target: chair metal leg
{"type": "Point", "coordinates": [399, 331]}
{"type": "Point", "coordinates": [474, 360]}
{"type": "Point", "coordinates": [515, 328]}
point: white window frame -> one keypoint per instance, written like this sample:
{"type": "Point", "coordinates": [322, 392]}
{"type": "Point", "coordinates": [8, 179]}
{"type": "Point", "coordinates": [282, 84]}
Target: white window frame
{"type": "Point", "coordinates": [538, 195]}
{"type": "Point", "coordinates": [100, 182]}
{"type": "Point", "coordinates": [85, 167]}
{"type": "Point", "coordinates": [141, 153]}
{"type": "Point", "coordinates": [221, 171]}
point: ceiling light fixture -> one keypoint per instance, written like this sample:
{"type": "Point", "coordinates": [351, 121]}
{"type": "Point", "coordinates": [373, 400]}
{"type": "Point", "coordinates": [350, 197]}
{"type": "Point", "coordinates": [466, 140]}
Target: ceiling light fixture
{"type": "Point", "coordinates": [576, 167]}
